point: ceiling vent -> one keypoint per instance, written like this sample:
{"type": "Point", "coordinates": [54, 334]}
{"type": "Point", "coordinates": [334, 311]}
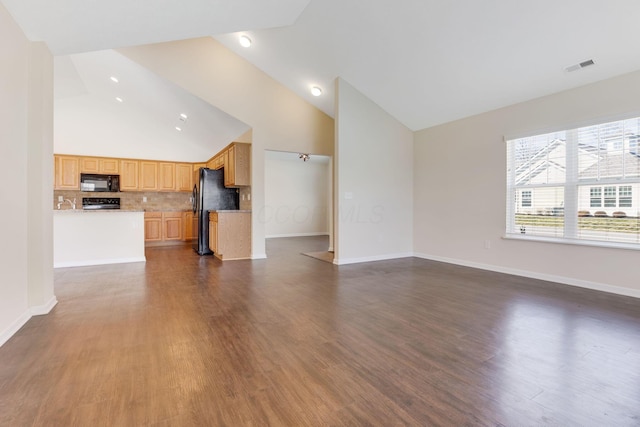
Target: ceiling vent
{"type": "Point", "coordinates": [579, 66]}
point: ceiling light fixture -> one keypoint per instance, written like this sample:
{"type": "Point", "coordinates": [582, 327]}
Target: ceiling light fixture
{"type": "Point", "coordinates": [316, 91]}
{"type": "Point", "coordinates": [245, 41]}
{"type": "Point", "coordinates": [178, 128]}
{"type": "Point", "coordinates": [119, 99]}
{"type": "Point", "coordinates": [114, 79]}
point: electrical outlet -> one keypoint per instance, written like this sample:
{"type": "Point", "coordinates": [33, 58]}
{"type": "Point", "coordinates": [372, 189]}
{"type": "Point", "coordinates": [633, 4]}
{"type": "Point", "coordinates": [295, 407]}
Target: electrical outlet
{"type": "Point", "coordinates": [144, 199]}
{"type": "Point", "coordinates": [60, 199]}
{"type": "Point", "coordinates": [248, 196]}
{"type": "Point", "coordinates": [487, 244]}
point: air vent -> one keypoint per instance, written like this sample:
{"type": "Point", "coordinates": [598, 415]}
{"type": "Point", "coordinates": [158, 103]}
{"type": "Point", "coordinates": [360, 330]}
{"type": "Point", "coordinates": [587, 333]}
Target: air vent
{"type": "Point", "coordinates": [579, 66]}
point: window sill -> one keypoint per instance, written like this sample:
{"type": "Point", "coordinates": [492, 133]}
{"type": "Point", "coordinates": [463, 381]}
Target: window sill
{"type": "Point", "coordinates": [563, 241]}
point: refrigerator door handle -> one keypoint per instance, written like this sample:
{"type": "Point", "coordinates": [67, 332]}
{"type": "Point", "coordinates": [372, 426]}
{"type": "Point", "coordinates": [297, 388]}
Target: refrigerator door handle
{"type": "Point", "coordinates": [194, 199]}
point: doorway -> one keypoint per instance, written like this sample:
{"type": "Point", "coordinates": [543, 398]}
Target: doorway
{"type": "Point", "coordinates": [299, 199]}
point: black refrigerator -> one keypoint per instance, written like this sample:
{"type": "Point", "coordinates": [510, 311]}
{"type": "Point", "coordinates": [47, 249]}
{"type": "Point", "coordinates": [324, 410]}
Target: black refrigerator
{"type": "Point", "coordinates": [210, 194]}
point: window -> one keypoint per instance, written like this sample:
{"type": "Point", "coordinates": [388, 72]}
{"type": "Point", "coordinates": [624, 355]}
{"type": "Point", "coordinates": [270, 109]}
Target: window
{"type": "Point", "coordinates": [596, 197]}
{"type": "Point", "coordinates": [576, 185]}
{"type": "Point", "coordinates": [625, 198]}
{"type": "Point", "coordinates": [609, 197]}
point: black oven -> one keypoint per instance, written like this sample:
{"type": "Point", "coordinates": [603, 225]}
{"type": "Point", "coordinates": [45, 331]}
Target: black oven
{"type": "Point", "coordinates": [101, 203]}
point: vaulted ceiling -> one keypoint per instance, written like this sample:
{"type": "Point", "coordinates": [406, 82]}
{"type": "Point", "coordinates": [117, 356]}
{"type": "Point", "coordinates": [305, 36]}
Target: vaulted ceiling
{"type": "Point", "coordinates": [423, 61]}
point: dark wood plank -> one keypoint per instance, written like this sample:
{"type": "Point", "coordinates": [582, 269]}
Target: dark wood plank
{"type": "Point", "coordinates": [188, 340]}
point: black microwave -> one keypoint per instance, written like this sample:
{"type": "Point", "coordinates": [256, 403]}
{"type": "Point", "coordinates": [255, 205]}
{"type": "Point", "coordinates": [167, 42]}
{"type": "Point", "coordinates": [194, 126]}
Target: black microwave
{"type": "Point", "coordinates": [96, 182]}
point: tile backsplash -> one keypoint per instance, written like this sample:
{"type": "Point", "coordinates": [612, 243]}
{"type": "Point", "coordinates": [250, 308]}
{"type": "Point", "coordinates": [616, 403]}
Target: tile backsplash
{"type": "Point", "coordinates": [132, 200]}
{"type": "Point", "coordinates": [156, 201]}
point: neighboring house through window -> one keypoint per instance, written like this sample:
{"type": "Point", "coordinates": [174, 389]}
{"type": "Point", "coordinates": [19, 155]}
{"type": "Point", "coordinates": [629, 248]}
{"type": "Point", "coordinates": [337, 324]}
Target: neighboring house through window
{"type": "Point", "coordinates": [576, 184]}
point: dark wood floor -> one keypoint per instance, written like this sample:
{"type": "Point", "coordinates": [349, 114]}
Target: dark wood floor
{"type": "Point", "coordinates": [292, 341]}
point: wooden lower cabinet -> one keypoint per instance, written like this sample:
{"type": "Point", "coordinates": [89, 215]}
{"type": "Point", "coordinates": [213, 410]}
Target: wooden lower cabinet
{"type": "Point", "coordinates": [172, 226]}
{"type": "Point", "coordinates": [190, 223]}
{"type": "Point", "coordinates": [230, 234]}
{"type": "Point", "coordinates": [163, 228]}
{"type": "Point", "coordinates": [152, 227]}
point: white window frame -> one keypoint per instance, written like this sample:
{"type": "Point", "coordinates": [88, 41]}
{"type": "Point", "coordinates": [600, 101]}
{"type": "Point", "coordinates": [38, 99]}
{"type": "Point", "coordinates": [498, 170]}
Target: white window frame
{"type": "Point", "coordinates": [571, 189]}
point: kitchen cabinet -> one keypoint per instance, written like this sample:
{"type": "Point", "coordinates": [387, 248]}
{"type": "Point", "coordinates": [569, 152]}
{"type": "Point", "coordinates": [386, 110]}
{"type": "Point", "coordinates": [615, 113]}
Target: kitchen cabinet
{"type": "Point", "coordinates": [148, 180]}
{"type": "Point", "coordinates": [237, 165]}
{"type": "Point", "coordinates": [190, 224]}
{"type": "Point", "coordinates": [163, 228]}
{"type": "Point", "coordinates": [101, 165]}
{"type": "Point", "coordinates": [128, 175]}
{"type": "Point", "coordinates": [184, 177]}
{"type": "Point", "coordinates": [230, 234]}
{"type": "Point", "coordinates": [67, 172]}
{"type": "Point", "coordinates": [172, 226]}
{"type": "Point", "coordinates": [152, 227]}
{"type": "Point", "coordinates": [166, 176]}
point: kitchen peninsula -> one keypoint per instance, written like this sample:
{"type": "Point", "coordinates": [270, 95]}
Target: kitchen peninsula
{"type": "Point", "coordinates": [85, 237]}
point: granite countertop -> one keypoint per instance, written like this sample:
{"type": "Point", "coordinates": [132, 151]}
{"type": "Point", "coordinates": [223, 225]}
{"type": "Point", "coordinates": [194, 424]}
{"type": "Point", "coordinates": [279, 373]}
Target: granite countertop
{"type": "Point", "coordinates": [96, 210]}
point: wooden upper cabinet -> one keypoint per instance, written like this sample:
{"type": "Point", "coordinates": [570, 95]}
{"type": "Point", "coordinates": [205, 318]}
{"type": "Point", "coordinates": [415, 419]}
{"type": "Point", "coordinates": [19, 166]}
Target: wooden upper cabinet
{"type": "Point", "coordinates": [166, 176]}
{"type": "Point", "coordinates": [148, 180]}
{"type": "Point", "coordinates": [67, 173]}
{"type": "Point", "coordinates": [237, 165]}
{"type": "Point", "coordinates": [90, 165]}
{"type": "Point", "coordinates": [99, 165]}
{"type": "Point", "coordinates": [228, 169]}
{"type": "Point", "coordinates": [128, 175]}
{"type": "Point", "coordinates": [110, 166]}
{"type": "Point", "coordinates": [184, 177]}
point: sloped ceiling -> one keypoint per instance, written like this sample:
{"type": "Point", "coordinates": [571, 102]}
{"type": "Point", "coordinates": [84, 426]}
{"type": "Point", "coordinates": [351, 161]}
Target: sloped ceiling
{"type": "Point", "coordinates": [424, 61]}
{"type": "Point", "coordinates": [88, 119]}
{"type": "Point", "coordinates": [74, 26]}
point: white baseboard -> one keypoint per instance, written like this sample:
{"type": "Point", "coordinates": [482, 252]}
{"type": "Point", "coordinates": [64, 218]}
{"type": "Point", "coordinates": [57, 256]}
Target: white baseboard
{"type": "Point", "coordinates": [277, 236]}
{"type": "Point", "coordinates": [40, 310]}
{"type": "Point", "coordinates": [535, 275]}
{"type": "Point", "coordinates": [24, 318]}
{"type": "Point", "coordinates": [98, 262]}
{"type": "Point", "coordinates": [259, 256]}
{"type": "Point", "coordinates": [344, 261]}
{"type": "Point", "coordinates": [14, 327]}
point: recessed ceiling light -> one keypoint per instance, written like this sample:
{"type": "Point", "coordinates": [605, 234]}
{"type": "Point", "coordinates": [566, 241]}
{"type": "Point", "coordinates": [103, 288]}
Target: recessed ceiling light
{"type": "Point", "coordinates": [178, 128]}
{"type": "Point", "coordinates": [316, 91]}
{"type": "Point", "coordinates": [245, 41]}
{"type": "Point", "coordinates": [114, 79]}
{"type": "Point", "coordinates": [119, 99]}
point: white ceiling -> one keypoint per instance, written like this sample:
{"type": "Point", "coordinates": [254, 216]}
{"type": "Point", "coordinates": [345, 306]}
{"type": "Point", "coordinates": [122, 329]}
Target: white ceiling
{"type": "Point", "coordinates": [424, 61]}
{"type": "Point", "coordinates": [86, 110]}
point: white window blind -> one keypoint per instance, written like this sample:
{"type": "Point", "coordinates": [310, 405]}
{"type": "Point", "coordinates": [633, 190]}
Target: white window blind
{"type": "Point", "coordinates": [577, 184]}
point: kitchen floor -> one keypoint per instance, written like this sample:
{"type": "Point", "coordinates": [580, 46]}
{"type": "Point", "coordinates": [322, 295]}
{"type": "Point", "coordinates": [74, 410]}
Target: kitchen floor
{"type": "Point", "coordinates": [183, 340]}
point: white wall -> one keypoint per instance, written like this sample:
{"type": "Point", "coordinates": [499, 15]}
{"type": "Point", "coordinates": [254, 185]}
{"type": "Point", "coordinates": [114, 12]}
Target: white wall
{"type": "Point", "coordinates": [280, 120]}
{"type": "Point", "coordinates": [460, 196]}
{"type": "Point", "coordinates": [296, 195]}
{"type": "Point", "coordinates": [374, 176]}
{"type": "Point", "coordinates": [26, 286]}
{"type": "Point", "coordinates": [94, 237]}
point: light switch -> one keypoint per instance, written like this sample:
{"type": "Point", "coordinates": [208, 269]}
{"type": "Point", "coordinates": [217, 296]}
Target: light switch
{"type": "Point", "coordinates": [60, 199]}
